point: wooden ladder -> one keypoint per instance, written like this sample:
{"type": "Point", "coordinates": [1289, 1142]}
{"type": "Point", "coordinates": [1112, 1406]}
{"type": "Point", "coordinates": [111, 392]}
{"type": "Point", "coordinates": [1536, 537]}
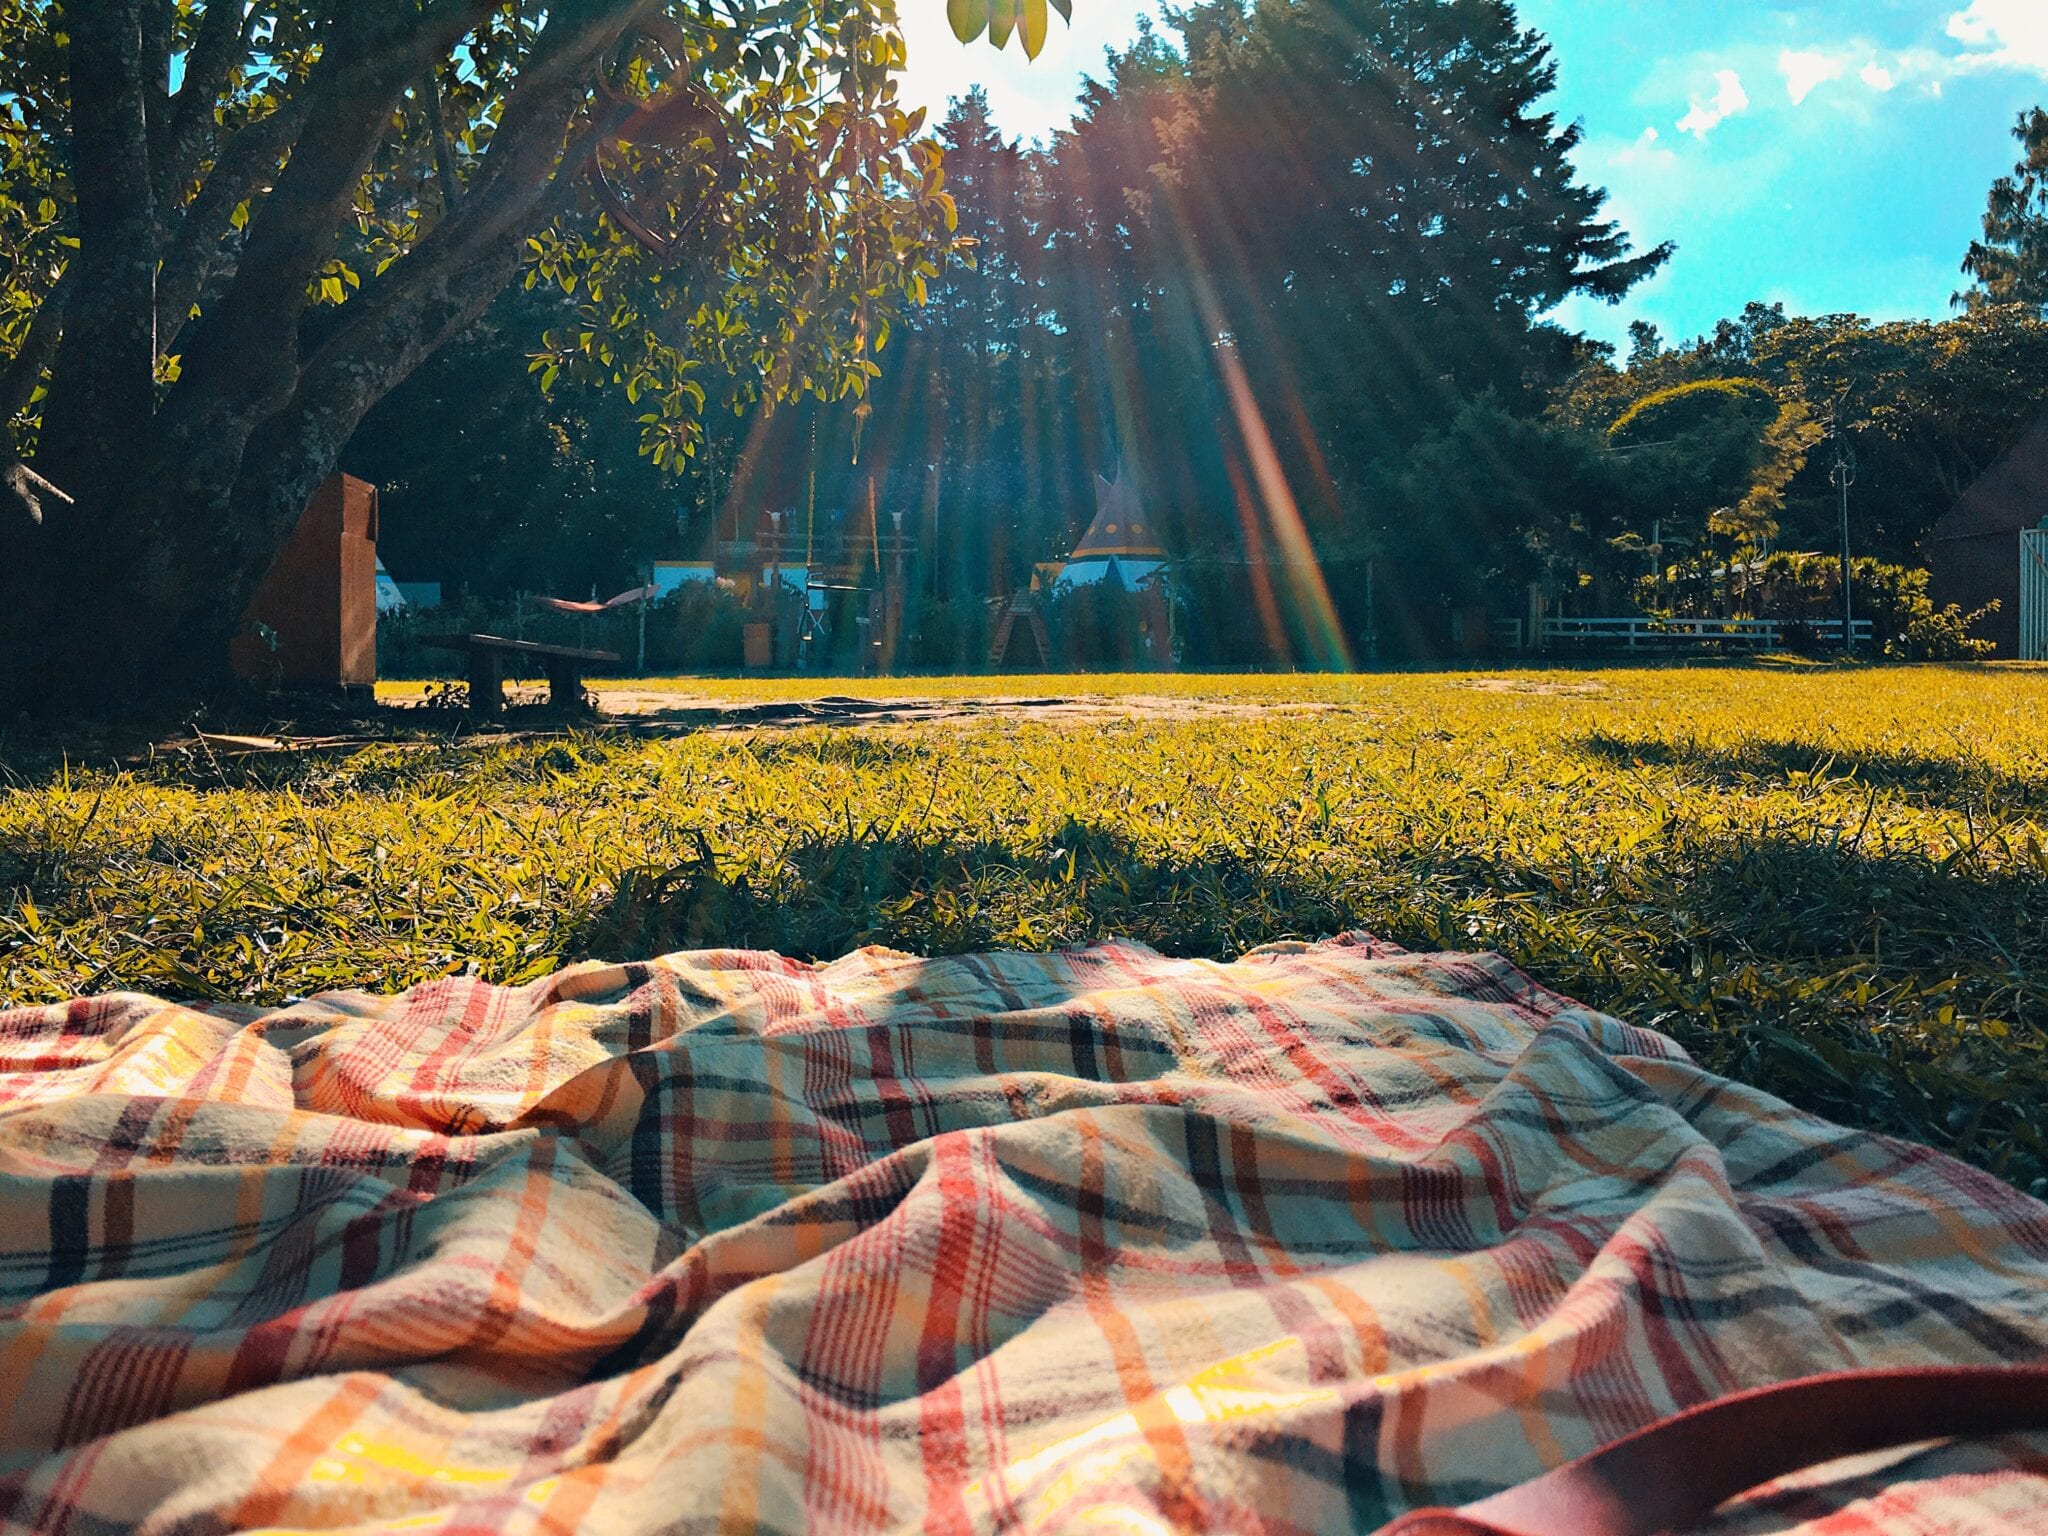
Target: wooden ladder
{"type": "Point", "coordinates": [1024, 608]}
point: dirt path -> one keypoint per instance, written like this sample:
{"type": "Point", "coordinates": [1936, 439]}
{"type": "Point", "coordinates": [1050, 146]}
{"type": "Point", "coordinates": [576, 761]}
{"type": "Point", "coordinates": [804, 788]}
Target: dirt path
{"type": "Point", "coordinates": [652, 712]}
{"type": "Point", "coordinates": [657, 712]}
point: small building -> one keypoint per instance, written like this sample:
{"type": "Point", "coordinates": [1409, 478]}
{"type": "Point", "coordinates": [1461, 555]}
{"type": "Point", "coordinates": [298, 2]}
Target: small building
{"type": "Point", "coordinates": [1120, 546]}
{"type": "Point", "coordinates": [395, 596]}
{"type": "Point", "coordinates": [1990, 547]}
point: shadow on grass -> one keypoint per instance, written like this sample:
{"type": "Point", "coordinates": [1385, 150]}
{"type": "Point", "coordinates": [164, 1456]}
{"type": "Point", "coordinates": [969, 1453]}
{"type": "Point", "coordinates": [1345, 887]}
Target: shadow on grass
{"type": "Point", "coordinates": [1937, 780]}
{"type": "Point", "coordinates": [1879, 989]}
{"type": "Point", "coordinates": [823, 895]}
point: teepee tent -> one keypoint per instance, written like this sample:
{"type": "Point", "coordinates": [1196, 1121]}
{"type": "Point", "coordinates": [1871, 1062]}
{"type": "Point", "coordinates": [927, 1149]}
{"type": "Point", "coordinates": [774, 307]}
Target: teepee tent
{"type": "Point", "coordinates": [1120, 545]}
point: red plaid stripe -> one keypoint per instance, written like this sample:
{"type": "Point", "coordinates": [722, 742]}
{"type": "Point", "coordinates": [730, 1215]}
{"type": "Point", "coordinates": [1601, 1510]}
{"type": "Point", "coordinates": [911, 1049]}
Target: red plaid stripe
{"type": "Point", "coordinates": [1091, 1240]}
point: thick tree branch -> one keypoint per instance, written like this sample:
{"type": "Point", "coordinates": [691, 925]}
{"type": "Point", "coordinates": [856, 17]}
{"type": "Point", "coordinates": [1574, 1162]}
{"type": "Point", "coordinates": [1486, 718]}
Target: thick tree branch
{"type": "Point", "coordinates": [202, 226]}
{"type": "Point", "coordinates": [159, 26]}
{"type": "Point", "coordinates": [297, 448]}
{"type": "Point", "coordinates": [24, 370]}
{"type": "Point", "coordinates": [526, 162]}
{"type": "Point", "coordinates": [525, 150]}
{"type": "Point", "coordinates": [183, 141]}
{"type": "Point", "coordinates": [444, 156]}
{"type": "Point", "coordinates": [244, 356]}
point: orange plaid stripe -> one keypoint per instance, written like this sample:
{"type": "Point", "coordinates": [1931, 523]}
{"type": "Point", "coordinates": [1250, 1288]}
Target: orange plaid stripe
{"type": "Point", "coordinates": [1097, 1239]}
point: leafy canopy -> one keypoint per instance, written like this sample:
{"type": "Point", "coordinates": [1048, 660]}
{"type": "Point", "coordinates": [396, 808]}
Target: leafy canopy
{"type": "Point", "coordinates": [730, 185]}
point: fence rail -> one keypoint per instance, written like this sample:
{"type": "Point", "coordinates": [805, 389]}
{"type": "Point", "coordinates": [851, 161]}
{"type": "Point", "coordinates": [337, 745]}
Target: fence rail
{"type": "Point", "coordinates": [1647, 634]}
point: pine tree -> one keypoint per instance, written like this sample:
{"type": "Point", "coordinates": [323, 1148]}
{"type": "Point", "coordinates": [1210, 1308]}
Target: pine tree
{"type": "Point", "coordinates": [2010, 263]}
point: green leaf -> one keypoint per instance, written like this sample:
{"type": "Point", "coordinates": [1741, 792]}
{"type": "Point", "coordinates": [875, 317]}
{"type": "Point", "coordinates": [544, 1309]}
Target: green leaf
{"type": "Point", "coordinates": [1002, 20]}
{"type": "Point", "coordinates": [1031, 25]}
{"type": "Point", "coordinates": [968, 18]}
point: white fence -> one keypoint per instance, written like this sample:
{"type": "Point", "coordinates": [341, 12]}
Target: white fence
{"type": "Point", "coordinates": [2034, 595]}
{"type": "Point", "coordinates": [1660, 634]}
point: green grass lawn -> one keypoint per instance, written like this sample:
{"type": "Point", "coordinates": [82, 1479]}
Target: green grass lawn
{"type": "Point", "coordinates": [1828, 882]}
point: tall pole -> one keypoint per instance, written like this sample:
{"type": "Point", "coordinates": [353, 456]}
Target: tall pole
{"type": "Point", "coordinates": [1844, 476]}
{"type": "Point", "coordinates": [1848, 594]}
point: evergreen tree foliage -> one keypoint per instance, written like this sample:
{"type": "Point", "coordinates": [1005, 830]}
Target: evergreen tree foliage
{"type": "Point", "coordinates": [2010, 264]}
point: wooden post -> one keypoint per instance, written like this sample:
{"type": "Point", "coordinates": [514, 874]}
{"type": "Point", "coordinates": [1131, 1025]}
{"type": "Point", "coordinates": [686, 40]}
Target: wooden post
{"type": "Point", "coordinates": [565, 682]}
{"type": "Point", "coordinates": [486, 696]}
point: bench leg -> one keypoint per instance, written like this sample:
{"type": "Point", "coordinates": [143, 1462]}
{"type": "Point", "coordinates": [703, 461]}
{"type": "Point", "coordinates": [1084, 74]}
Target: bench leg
{"type": "Point", "coordinates": [565, 683]}
{"type": "Point", "coordinates": [486, 695]}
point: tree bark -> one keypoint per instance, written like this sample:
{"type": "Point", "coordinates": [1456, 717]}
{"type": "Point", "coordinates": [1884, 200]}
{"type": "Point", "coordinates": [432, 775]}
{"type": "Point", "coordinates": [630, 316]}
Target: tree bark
{"type": "Point", "coordinates": [204, 225]}
{"type": "Point", "coordinates": [180, 141]}
{"type": "Point", "coordinates": [103, 375]}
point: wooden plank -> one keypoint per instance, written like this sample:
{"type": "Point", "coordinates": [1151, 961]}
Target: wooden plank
{"type": "Point", "coordinates": [516, 647]}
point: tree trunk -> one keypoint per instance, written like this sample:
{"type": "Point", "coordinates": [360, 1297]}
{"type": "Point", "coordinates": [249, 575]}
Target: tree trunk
{"type": "Point", "coordinates": [97, 415]}
{"type": "Point", "coordinates": [131, 597]}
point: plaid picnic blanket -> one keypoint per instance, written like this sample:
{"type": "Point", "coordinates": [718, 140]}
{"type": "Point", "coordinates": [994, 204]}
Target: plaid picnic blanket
{"type": "Point", "coordinates": [1089, 1241]}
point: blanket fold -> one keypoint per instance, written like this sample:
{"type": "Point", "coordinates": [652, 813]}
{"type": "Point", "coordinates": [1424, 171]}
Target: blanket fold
{"type": "Point", "coordinates": [1097, 1240]}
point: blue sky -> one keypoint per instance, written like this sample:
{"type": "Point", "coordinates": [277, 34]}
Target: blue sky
{"type": "Point", "coordinates": [1834, 156]}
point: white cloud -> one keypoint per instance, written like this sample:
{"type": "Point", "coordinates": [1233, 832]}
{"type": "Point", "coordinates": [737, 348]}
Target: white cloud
{"type": "Point", "coordinates": [1805, 71]}
{"type": "Point", "coordinates": [2010, 34]}
{"type": "Point", "coordinates": [1876, 76]}
{"type": "Point", "coordinates": [1645, 154]}
{"type": "Point", "coordinates": [1706, 115]}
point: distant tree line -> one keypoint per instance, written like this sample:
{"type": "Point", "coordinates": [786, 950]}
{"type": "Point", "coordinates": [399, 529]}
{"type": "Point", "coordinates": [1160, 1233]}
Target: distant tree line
{"type": "Point", "coordinates": [1290, 267]}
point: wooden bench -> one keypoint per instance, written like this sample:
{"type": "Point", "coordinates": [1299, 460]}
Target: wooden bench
{"type": "Point", "coordinates": [564, 664]}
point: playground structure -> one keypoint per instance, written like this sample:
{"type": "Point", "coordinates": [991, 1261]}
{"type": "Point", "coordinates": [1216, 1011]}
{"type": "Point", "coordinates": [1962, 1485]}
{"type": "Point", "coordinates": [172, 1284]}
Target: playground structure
{"type": "Point", "coordinates": [804, 592]}
{"type": "Point", "coordinates": [1119, 552]}
{"type": "Point", "coordinates": [842, 593]}
{"type": "Point", "coordinates": [1019, 606]}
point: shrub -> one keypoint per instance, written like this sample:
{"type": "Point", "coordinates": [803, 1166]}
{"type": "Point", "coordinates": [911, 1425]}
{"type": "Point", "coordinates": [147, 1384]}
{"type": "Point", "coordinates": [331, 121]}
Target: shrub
{"type": "Point", "coordinates": [1906, 624]}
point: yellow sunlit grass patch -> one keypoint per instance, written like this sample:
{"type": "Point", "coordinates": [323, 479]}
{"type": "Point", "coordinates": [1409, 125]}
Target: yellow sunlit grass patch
{"type": "Point", "coordinates": [1829, 882]}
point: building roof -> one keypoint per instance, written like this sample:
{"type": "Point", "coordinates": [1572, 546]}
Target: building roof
{"type": "Point", "coordinates": [1121, 527]}
{"type": "Point", "coordinates": [2009, 496]}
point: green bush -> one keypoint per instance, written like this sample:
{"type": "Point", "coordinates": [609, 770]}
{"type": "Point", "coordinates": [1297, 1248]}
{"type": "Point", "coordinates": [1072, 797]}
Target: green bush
{"type": "Point", "coordinates": [1105, 627]}
{"type": "Point", "coordinates": [1907, 626]}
